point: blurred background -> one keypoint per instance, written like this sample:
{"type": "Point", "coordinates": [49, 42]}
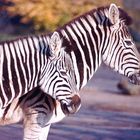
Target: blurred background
{"type": "Point", "coordinates": [20, 17]}
{"type": "Point", "coordinates": [107, 113]}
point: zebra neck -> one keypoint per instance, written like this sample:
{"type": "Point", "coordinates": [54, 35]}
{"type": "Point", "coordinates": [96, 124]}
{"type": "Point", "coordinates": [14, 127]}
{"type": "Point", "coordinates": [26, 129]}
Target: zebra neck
{"type": "Point", "coordinates": [86, 37]}
{"type": "Point", "coordinates": [84, 52]}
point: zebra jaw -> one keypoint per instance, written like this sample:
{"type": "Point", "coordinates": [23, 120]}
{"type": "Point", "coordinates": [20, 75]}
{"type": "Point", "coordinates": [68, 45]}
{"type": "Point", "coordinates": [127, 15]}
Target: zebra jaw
{"type": "Point", "coordinates": [135, 79]}
{"type": "Point", "coordinates": [73, 106]}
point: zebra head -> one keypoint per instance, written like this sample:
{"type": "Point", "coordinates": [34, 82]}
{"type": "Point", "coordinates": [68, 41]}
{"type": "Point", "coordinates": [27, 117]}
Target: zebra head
{"type": "Point", "coordinates": [59, 81]}
{"type": "Point", "coordinates": [121, 53]}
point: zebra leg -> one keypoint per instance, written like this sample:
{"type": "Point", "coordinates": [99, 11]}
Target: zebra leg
{"type": "Point", "coordinates": [38, 111]}
{"type": "Point", "coordinates": [44, 132]}
{"type": "Point", "coordinates": [35, 126]}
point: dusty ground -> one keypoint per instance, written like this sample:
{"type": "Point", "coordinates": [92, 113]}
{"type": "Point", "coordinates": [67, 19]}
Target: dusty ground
{"type": "Point", "coordinates": [106, 114]}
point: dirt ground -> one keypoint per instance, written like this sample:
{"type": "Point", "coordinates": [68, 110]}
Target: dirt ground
{"type": "Point", "coordinates": [106, 114]}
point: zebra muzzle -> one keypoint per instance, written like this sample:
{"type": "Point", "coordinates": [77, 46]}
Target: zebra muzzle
{"type": "Point", "coordinates": [73, 106]}
{"type": "Point", "coordinates": [135, 79]}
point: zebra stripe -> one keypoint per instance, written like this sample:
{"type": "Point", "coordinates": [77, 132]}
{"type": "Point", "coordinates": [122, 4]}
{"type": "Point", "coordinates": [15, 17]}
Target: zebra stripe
{"type": "Point", "coordinates": [29, 63]}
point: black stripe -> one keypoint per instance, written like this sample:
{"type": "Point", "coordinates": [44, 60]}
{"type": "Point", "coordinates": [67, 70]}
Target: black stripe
{"type": "Point", "coordinates": [25, 64]}
{"type": "Point", "coordinates": [77, 55]}
{"type": "Point", "coordinates": [14, 73]}
{"type": "Point", "coordinates": [5, 75]}
{"type": "Point", "coordinates": [30, 61]}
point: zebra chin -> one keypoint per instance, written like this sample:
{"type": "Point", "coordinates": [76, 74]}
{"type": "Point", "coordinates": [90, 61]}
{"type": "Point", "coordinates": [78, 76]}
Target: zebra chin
{"type": "Point", "coordinates": [72, 107]}
{"type": "Point", "coordinates": [135, 79]}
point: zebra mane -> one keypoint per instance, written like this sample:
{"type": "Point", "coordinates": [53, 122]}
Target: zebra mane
{"type": "Point", "coordinates": [68, 47]}
{"type": "Point", "coordinates": [123, 14]}
{"type": "Point", "coordinates": [124, 17]}
{"type": "Point", "coordinates": [40, 45]}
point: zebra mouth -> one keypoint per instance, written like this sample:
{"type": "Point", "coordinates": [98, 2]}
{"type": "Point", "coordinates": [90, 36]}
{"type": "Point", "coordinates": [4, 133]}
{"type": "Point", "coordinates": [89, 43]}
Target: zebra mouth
{"type": "Point", "coordinates": [135, 79]}
{"type": "Point", "coordinates": [73, 107]}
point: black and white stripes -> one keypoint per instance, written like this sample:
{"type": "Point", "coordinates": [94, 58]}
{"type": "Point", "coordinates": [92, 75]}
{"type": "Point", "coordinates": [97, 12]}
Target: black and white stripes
{"type": "Point", "coordinates": [99, 35]}
{"type": "Point", "coordinates": [19, 67]}
{"type": "Point", "coordinates": [38, 61]}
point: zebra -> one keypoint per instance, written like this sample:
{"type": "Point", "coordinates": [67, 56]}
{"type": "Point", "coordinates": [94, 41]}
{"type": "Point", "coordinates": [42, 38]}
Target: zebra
{"type": "Point", "coordinates": [100, 35]}
{"type": "Point", "coordinates": [28, 63]}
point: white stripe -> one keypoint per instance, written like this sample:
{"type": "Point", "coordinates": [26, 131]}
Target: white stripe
{"type": "Point", "coordinates": [65, 34]}
{"type": "Point", "coordinates": [74, 63]}
{"type": "Point", "coordinates": [85, 63]}
{"type": "Point", "coordinates": [42, 55]}
{"type": "Point", "coordinates": [93, 23]}
{"type": "Point", "coordinates": [33, 62]}
{"type": "Point", "coordinates": [6, 47]}
{"type": "Point", "coordinates": [38, 58]}
{"type": "Point", "coordinates": [28, 65]}
{"type": "Point", "coordinates": [111, 47]}
{"type": "Point", "coordinates": [106, 46]}
{"type": "Point", "coordinates": [82, 54]}
{"type": "Point", "coordinates": [101, 41]}
{"type": "Point", "coordinates": [16, 69]}
{"type": "Point", "coordinates": [19, 52]}
{"type": "Point", "coordinates": [22, 51]}
{"type": "Point", "coordinates": [46, 44]}
{"type": "Point", "coordinates": [76, 70]}
{"type": "Point", "coordinates": [88, 45]}
{"type": "Point", "coordinates": [78, 32]}
{"type": "Point", "coordinates": [46, 83]}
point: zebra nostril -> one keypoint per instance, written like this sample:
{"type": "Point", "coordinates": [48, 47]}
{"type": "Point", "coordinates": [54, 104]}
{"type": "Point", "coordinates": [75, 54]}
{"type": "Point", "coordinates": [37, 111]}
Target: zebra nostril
{"type": "Point", "coordinates": [76, 102]}
{"type": "Point", "coordinates": [135, 79]}
{"type": "Point", "coordinates": [73, 107]}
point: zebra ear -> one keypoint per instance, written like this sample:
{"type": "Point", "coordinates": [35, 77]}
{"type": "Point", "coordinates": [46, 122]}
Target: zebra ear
{"type": "Point", "coordinates": [55, 44]}
{"type": "Point", "coordinates": [113, 14]}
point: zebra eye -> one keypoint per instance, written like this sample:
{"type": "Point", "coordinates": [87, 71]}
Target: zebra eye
{"type": "Point", "coordinates": [63, 73]}
{"type": "Point", "coordinates": [129, 43]}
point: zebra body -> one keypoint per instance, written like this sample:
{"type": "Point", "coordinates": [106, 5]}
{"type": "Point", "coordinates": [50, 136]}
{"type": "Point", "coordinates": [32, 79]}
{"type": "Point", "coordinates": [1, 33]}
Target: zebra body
{"type": "Point", "coordinates": [99, 35]}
